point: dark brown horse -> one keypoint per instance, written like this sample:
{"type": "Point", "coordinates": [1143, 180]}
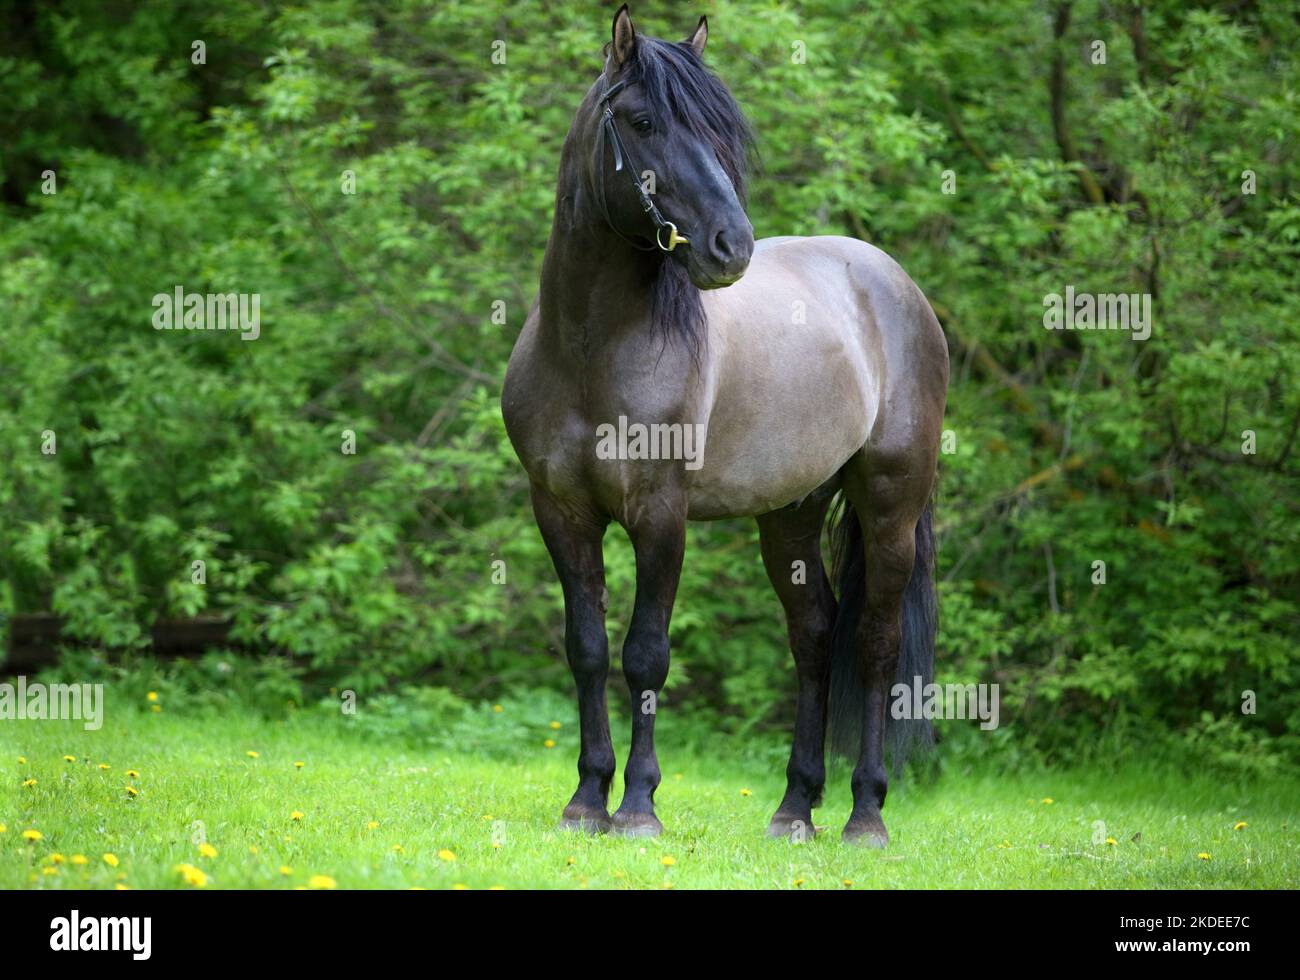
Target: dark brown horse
{"type": "Point", "coordinates": [640, 392]}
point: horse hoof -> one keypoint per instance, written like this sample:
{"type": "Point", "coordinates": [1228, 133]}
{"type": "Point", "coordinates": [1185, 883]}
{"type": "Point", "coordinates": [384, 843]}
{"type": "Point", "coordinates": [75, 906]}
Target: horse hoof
{"type": "Point", "coordinates": [795, 829]}
{"type": "Point", "coordinates": [585, 820]}
{"type": "Point", "coordinates": [866, 833]}
{"type": "Point", "coordinates": [636, 825]}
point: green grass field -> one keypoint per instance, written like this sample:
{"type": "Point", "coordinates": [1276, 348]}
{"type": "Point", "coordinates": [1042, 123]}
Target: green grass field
{"type": "Point", "coordinates": [368, 814]}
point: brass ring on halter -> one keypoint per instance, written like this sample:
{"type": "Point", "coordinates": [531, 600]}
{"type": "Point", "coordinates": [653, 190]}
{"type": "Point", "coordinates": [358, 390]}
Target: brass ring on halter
{"type": "Point", "coordinates": [674, 239]}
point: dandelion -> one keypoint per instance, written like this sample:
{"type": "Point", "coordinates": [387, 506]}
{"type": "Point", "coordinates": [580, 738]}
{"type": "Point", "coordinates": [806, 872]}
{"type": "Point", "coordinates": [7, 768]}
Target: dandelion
{"type": "Point", "coordinates": [555, 726]}
{"type": "Point", "coordinates": [1111, 842]}
{"type": "Point", "coordinates": [398, 849]}
{"type": "Point", "coordinates": [156, 708]}
{"type": "Point", "coordinates": [447, 855]}
{"type": "Point", "coordinates": [104, 767]}
{"type": "Point", "coordinates": [549, 743]}
{"type": "Point", "coordinates": [56, 858]}
{"type": "Point", "coordinates": [458, 887]}
{"type": "Point", "coordinates": [69, 758]}
{"type": "Point", "coordinates": [252, 848]}
{"type": "Point", "coordinates": [1240, 825]}
{"type": "Point", "coordinates": [497, 888]}
{"type": "Point", "coordinates": [111, 860]}
{"type": "Point", "coordinates": [49, 871]}
{"type": "Point", "coordinates": [847, 883]}
{"type": "Point", "coordinates": [79, 859]}
{"type": "Point", "coordinates": [487, 816]}
{"type": "Point", "coordinates": [667, 861]}
{"type": "Point", "coordinates": [374, 824]}
{"type": "Point", "coordinates": [252, 755]}
{"type": "Point", "coordinates": [132, 791]}
{"type": "Point", "coordinates": [1204, 855]}
{"type": "Point", "coordinates": [29, 783]}
{"type": "Point", "coordinates": [570, 860]}
{"type": "Point", "coordinates": [321, 881]}
{"type": "Point", "coordinates": [286, 870]}
{"type": "Point", "coordinates": [207, 850]}
{"type": "Point", "coordinates": [497, 708]}
{"type": "Point", "coordinates": [22, 760]}
{"type": "Point", "coordinates": [152, 695]}
{"type": "Point", "coordinates": [746, 792]}
{"type": "Point", "coordinates": [299, 765]}
{"type": "Point", "coordinates": [33, 835]}
{"type": "Point", "coordinates": [3, 828]}
{"type": "Point", "coordinates": [192, 875]}
{"type": "Point", "coordinates": [132, 774]}
{"type": "Point", "coordinates": [1047, 801]}
{"type": "Point", "coordinates": [121, 887]}
{"type": "Point", "coordinates": [798, 882]}
{"type": "Point", "coordinates": [296, 816]}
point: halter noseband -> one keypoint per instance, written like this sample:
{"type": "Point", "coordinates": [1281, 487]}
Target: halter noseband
{"type": "Point", "coordinates": [609, 131]}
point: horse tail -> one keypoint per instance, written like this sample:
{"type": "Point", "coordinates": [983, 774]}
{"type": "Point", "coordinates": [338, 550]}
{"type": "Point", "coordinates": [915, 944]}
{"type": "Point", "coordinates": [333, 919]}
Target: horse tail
{"type": "Point", "coordinates": [919, 621]}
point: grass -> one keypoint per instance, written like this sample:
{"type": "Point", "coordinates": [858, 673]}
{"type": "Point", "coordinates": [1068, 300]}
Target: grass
{"type": "Point", "coordinates": [375, 814]}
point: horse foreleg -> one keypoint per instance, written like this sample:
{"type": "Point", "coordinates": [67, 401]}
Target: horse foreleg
{"type": "Point", "coordinates": [659, 540]}
{"type": "Point", "coordinates": [575, 549]}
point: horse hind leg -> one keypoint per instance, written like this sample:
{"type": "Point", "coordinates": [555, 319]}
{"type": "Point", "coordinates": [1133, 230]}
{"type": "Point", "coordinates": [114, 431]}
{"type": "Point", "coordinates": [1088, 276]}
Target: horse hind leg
{"type": "Point", "coordinates": [888, 494]}
{"type": "Point", "coordinates": [791, 545]}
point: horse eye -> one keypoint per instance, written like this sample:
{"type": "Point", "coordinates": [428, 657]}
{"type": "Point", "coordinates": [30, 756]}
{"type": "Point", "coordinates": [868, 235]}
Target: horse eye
{"type": "Point", "coordinates": [642, 125]}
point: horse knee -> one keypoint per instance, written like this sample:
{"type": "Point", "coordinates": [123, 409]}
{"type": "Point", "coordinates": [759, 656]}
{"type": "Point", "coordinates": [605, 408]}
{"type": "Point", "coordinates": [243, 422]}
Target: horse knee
{"type": "Point", "coordinates": [645, 661]}
{"type": "Point", "coordinates": [587, 648]}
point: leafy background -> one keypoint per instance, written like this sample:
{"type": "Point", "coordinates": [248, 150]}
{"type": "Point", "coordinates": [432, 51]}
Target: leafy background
{"type": "Point", "coordinates": [374, 571]}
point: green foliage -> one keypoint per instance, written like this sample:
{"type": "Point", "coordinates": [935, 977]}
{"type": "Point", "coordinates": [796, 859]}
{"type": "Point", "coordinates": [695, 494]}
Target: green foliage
{"type": "Point", "coordinates": [376, 569]}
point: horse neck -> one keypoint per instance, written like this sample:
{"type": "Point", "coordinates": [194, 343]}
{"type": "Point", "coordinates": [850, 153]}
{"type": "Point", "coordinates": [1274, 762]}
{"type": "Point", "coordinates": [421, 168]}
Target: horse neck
{"type": "Point", "coordinates": [595, 285]}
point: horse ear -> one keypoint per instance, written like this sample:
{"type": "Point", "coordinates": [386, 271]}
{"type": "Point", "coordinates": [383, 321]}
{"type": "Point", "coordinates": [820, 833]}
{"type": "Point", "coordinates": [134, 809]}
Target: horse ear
{"type": "Point", "coordinates": [699, 37]}
{"type": "Point", "coordinates": [624, 37]}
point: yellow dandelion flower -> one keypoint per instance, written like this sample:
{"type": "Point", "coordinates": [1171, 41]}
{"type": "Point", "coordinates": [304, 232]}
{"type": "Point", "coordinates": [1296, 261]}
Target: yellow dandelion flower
{"type": "Point", "coordinates": [746, 792]}
{"type": "Point", "coordinates": [156, 708]}
{"type": "Point", "coordinates": [152, 695]}
{"type": "Point", "coordinates": [667, 861]}
{"type": "Point", "coordinates": [252, 848]}
{"type": "Point", "coordinates": [286, 870]}
{"type": "Point", "coordinates": [49, 871]}
{"type": "Point", "coordinates": [447, 855]}
{"type": "Point", "coordinates": [3, 828]}
{"type": "Point", "coordinates": [29, 783]}
{"type": "Point", "coordinates": [33, 835]}
{"type": "Point", "coordinates": [458, 887]}
{"type": "Point", "coordinates": [798, 882]}
{"type": "Point", "coordinates": [1204, 855]}
{"type": "Point", "coordinates": [56, 858]}
{"type": "Point", "coordinates": [372, 825]}
{"type": "Point", "coordinates": [192, 876]}
{"type": "Point", "coordinates": [570, 860]}
{"type": "Point", "coordinates": [132, 774]}
{"type": "Point", "coordinates": [496, 888]}
{"type": "Point", "coordinates": [299, 765]}
{"type": "Point", "coordinates": [132, 791]}
{"type": "Point", "coordinates": [22, 760]}
{"type": "Point", "coordinates": [398, 849]}
{"type": "Point", "coordinates": [847, 883]}
{"type": "Point", "coordinates": [1047, 800]}
{"type": "Point", "coordinates": [111, 860]}
{"type": "Point", "coordinates": [487, 816]}
{"type": "Point", "coordinates": [69, 758]}
{"type": "Point", "coordinates": [121, 887]}
{"type": "Point", "coordinates": [1240, 825]}
{"type": "Point", "coordinates": [620, 874]}
{"type": "Point", "coordinates": [497, 708]}
{"type": "Point", "coordinates": [104, 767]}
{"type": "Point", "coordinates": [556, 726]}
{"type": "Point", "coordinates": [1111, 841]}
{"type": "Point", "coordinates": [79, 859]}
{"type": "Point", "coordinates": [207, 850]}
{"type": "Point", "coordinates": [252, 755]}
{"type": "Point", "coordinates": [321, 881]}
{"type": "Point", "coordinates": [297, 815]}
{"type": "Point", "coordinates": [549, 743]}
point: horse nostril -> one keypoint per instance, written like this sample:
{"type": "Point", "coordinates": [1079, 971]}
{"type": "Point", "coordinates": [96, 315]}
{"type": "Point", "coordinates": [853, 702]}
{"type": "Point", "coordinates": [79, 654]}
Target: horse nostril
{"type": "Point", "coordinates": [720, 246]}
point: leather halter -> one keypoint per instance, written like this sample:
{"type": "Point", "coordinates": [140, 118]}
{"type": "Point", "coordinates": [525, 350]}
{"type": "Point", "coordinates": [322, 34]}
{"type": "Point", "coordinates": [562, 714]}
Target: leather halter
{"type": "Point", "coordinates": [609, 132]}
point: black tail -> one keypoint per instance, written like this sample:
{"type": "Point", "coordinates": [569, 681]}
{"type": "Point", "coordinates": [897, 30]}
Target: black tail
{"type": "Point", "coordinates": [920, 617]}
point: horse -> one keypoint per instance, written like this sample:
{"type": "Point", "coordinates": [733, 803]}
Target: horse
{"type": "Point", "coordinates": [815, 371]}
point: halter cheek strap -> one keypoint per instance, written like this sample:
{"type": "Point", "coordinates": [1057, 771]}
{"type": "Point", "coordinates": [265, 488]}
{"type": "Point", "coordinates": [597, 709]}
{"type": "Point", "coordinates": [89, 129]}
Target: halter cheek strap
{"type": "Point", "coordinates": [609, 133]}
